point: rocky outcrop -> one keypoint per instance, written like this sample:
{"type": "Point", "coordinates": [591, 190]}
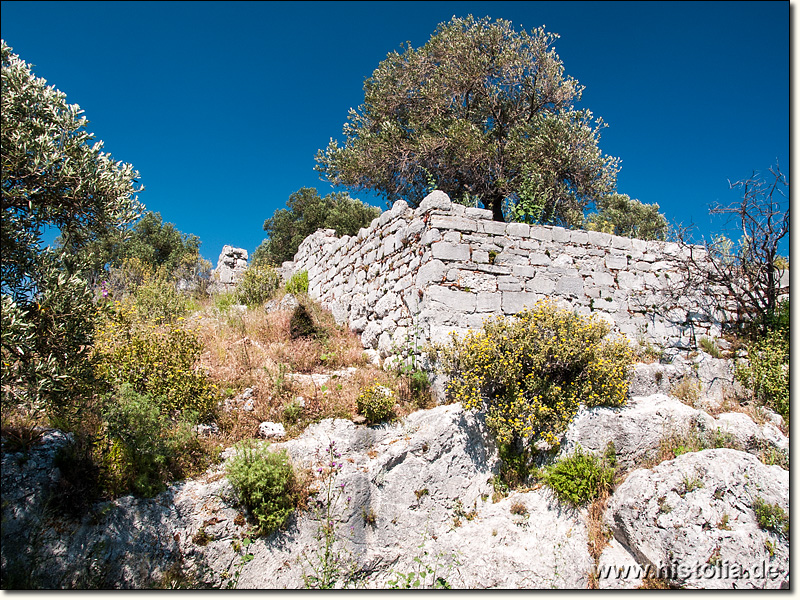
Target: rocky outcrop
{"type": "Point", "coordinates": [694, 521]}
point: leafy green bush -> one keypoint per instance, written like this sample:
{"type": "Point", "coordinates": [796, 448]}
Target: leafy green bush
{"type": "Point", "coordinates": [258, 284]}
{"type": "Point", "coordinates": [581, 477]}
{"type": "Point", "coordinates": [158, 300]}
{"type": "Point", "coordinates": [265, 483]}
{"type": "Point", "coordinates": [141, 449]}
{"type": "Point", "coordinates": [771, 516]}
{"type": "Point", "coordinates": [375, 403]}
{"type": "Point", "coordinates": [767, 373]}
{"type": "Point", "coordinates": [298, 283]}
{"type": "Point", "coordinates": [156, 360]}
{"type": "Point", "coordinates": [531, 372]}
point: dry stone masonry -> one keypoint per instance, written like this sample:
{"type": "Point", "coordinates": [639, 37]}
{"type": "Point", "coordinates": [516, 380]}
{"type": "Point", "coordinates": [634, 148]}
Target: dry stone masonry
{"type": "Point", "coordinates": [421, 274]}
{"type": "Point", "coordinates": [232, 263]}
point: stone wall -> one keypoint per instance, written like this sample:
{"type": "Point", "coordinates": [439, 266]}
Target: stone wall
{"type": "Point", "coordinates": [420, 274]}
{"type": "Point", "coordinates": [231, 265]}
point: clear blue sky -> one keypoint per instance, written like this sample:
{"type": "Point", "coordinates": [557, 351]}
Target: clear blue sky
{"type": "Point", "coordinates": [221, 107]}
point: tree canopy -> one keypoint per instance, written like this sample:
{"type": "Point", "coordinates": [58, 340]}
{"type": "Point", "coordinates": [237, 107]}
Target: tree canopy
{"type": "Point", "coordinates": [621, 215]}
{"type": "Point", "coordinates": [53, 178]}
{"type": "Point", "coordinates": [306, 212]}
{"type": "Point", "coordinates": [480, 111]}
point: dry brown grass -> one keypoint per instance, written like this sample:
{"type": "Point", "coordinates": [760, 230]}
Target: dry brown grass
{"type": "Point", "coordinates": [255, 349]}
{"type": "Point", "coordinates": [599, 534]}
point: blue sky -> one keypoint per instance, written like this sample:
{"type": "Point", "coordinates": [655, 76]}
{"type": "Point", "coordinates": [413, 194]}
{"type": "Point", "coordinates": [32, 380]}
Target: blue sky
{"type": "Point", "coordinates": [222, 107]}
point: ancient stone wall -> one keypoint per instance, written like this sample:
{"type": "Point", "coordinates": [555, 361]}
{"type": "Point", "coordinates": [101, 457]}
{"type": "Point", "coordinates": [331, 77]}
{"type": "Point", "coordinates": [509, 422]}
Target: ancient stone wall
{"type": "Point", "coordinates": [420, 274]}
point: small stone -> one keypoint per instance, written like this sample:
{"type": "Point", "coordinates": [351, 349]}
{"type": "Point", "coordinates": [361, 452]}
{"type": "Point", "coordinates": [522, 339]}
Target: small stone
{"type": "Point", "coordinates": [270, 430]}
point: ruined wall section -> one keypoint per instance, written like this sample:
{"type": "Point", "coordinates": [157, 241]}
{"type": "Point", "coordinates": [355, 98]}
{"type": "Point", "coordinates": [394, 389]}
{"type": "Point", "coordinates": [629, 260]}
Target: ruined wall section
{"type": "Point", "coordinates": [444, 267]}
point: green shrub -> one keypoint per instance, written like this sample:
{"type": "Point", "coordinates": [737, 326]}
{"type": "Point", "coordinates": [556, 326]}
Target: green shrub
{"type": "Point", "coordinates": [581, 477]}
{"type": "Point", "coordinates": [302, 323]}
{"type": "Point", "coordinates": [771, 516]}
{"type": "Point", "coordinates": [298, 283]}
{"type": "Point", "coordinates": [258, 284]}
{"type": "Point", "coordinates": [158, 301]}
{"type": "Point", "coordinates": [375, 403]}
{"type": "Point", "coordinates": [139, 449]}
{"type": "Point", "coordinates": [768, 372]}
{"type": "Point", "coordinates": [156, 360]}
{"type": "Point", "coordinates": [531, 372]}
{"type": "Point", "coordinates": [224, 300]}
{"type": "Point", "coordinates": [265, 483]}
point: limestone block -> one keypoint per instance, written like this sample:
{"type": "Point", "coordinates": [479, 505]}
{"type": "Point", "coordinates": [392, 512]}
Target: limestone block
{"type": "Point", "coordinates": [480, 256]}
{"type": "Point", "coordinates": [563, 260]}
{"type": "Point", "coordinates": [437, 199]}
{"type": "Point", "coordinates": [458, 223]}
{"type": "Point", "coordinates": [543, 234]}
{"type": "Point", "coordinates": [476, 281]}
{"type": "Point", "coordinates": [514, 302]}
{"type": "Point", "coordinates": [621, 243]}
{"type": "Point", "coordinates": [541, 284]}
{"type": "Point", "coordinates": [629, 281]}
{"type": "Point", "coordinates": [488, 302]}
{"type": "Point", "coordinates": [369, 338]}
{"type": "Point", "coordinates": [454, 237]}
{"type": "Point", "coordinates": [492, 227]}
{"type": "Point", "coordinates": [570, 285]}
{"type": "Point", "coordinates": [433, 271]}
{"type": "Point", "coordinates": [522, 271]}
{"type": "Point", "coordinates": [616, 261]}
{"type": "Point", "coordinates": [539, 259]}
{"type": "Point", "coordinates": [507, 283]}
{"type": "Point", "coordinates": [579, 237]}
{"type": "Point", "coordinates": [450, 251]}
{"type": "Point", "coordinates": [430, 236]}
{"type": "Point", "coordinates": [510, 258]}
{"type": "Point", "coordinates": [447, 298]}
{"type": "Point", "coordinates": [518, 229]}
{"type": "Point", "coordinates": [478, 213]}
{"type": "Point", "coordinates": [560, 234]}
{"type": "Point", "coordinates": [598, 238]}
{"type": "Point", "coordinates": [602, 278]}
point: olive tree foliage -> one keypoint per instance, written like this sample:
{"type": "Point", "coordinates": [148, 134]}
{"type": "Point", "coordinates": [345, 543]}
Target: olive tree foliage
{"type": "Point", "coordinates": [620, 215]}
{"type": "Point", "coordinates": [306, 212]}
{"type": "Point", "coordinates": [747, 273]}
{"type": "Point", "coordinates": [53, 178]}
{"type": "Point", "coordinates": [483, 112]}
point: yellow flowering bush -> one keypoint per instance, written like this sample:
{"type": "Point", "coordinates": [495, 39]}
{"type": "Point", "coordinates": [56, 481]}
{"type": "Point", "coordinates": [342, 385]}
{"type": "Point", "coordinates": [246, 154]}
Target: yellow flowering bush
{"type": "Point", "coordinates": [376, 403]}
{"type": "Point", "coordinates": [155, 359]}
{"type": "Point", "coordinates": [531, 372]}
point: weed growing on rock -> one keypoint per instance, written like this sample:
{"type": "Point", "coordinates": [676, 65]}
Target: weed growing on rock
{"type": "Point", "coordinates": [328, 564]}
{"type": "Point", "coordinates": [532, 372]}
{"type": "Point", "coordinates": [265, 483]}
{"type": "Point", "coordinates": [709, 346]}
{"type": "Point", "coordinates": [428, 572]}
{"type": "Point", "coordinates": [580, 477]}
{"type": "Point", "coordinates": [687, 390]}
{"type": "Point", "coordinates": [771, 516]}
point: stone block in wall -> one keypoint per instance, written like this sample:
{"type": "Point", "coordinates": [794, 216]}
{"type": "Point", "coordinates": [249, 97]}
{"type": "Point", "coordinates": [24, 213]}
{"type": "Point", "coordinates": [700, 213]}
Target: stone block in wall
{"type": "Point", "coordinates": [453, 237]}
{"type": "Point", "coordinates": [598, 238]}
{"type": "Point", "coordinates": [629, 281]}
{"type": "Point", "coordinates": [478, 213]}
{"type": "Point", "coordinates": [450, 251]}
{"type": "Point", "coordinates": [472, 280]}
{"type": "Point", "coordinates": [488, 302]}
{"type": "Point", "coordinates": [437, 199]}
{"type": "Point", "coordinates": [572, 286]}
{"type": "Point", "coordinates": [541, 285]}
{"type": "Point", "coordinates": [518, 229]}
{"type": "Point", "coordinates": [492, 227]}
{"type": "Point", "coordinates": [616, 261]}
{"type": "Point", "coordinates": [508, 283]}
{"type": "Point", "coordinates": [387, 303]}
{"type": "Point", "coordinates": [442, 334]}
{"type": "Point", "coordinates": [438, 296]}
{"type": "Point", "coordinates": [579, 237]}
{"type": "Point", "coordinates": [480, 256]}
{"type": "Point", "coordinates": [457, 223]}
{"type": "Point", "coordinates": [560, 234]}
{"type": "Point", "coordinates": [510, 259]}
{"type": "Point", "coordinates": [522, 271]}
{"type": "Point", "coordinates": [543, 234]}
{"type": "Point", "coordinates": [431, 272]}
{"type": "Point", "coordinates": [514, 302]}
{"type": "Point", "coordinates": [621, 243]}
{"type": "Point", "coordinates": [493, 269]}
{"type": "Point", "coordinates": [430, 237]}
{"type": "Point", "coordinates": [370, 335]}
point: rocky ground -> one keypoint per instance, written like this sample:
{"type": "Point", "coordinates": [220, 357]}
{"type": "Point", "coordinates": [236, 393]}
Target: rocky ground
{"type": "Point", "coordinates": [417, 502]}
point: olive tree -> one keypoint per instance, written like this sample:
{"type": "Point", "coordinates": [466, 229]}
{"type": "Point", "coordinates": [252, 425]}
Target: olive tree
{"type": "Point", "coordinates": [621, 215]}
{"type": "Point", "coordinates": [483, 113]}
{"type": "Point", "coordinates": [53, 179]}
